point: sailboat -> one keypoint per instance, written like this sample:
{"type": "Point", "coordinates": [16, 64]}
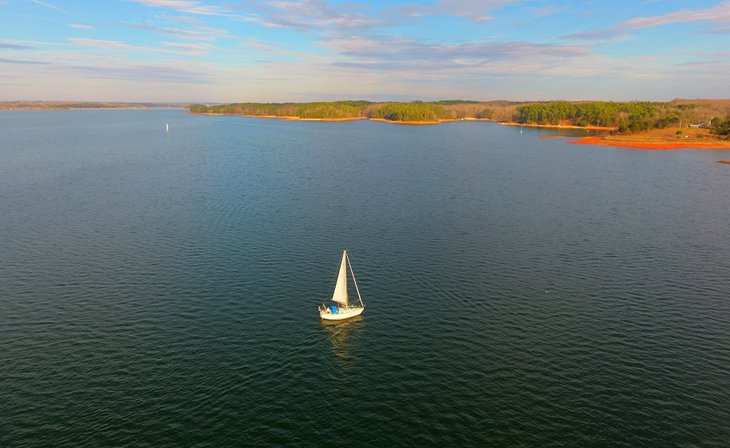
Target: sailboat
{"type": "Point", "coordinates": [342, 309]}
{"type": "Point", "coordinates": [167, 127]}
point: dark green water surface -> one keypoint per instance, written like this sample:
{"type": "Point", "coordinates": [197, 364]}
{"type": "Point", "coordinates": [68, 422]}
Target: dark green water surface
{"type": "Point", "coordinates": [160, 289]}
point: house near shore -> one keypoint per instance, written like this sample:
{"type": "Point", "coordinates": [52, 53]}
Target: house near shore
{"type": "Point", "coordinates": [699, 125]}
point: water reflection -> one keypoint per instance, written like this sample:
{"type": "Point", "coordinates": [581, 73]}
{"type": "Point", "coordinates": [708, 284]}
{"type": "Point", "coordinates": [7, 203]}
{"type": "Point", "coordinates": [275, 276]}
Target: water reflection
{"type": "Point", "coordinates": [338, 333]}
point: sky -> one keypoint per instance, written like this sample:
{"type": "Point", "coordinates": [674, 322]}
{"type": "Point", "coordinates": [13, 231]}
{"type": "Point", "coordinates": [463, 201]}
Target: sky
{"type": "Point", "coordinates": [326, 50]}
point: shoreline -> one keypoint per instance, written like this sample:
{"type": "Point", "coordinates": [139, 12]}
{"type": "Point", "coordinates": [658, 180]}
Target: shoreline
{"type": "Point", "coordinates": [278, 117]}
{"type": "Point", "coordinates": [654, 146]}
{"type": "Point", "coordinates": [51, 109]}
{"type": "Point", "coordinates": [294, 118]}
{"type": "Point", "coordinates": [557, 126]}
{"type": "Point", "coordinates": [413, 122]}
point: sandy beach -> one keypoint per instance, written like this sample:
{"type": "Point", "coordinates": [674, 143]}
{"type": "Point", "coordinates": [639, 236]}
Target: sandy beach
{"type": "Point", "coordinates": [659, 139]}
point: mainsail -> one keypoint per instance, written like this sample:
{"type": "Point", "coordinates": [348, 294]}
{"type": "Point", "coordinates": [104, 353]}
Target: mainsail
{"type": "Point", "coordinates": [340, 294]}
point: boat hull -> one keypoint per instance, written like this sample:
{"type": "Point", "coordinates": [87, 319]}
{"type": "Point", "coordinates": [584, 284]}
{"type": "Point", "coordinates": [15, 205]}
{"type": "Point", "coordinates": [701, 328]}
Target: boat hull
{"type": "Point", "coordinates": [342, 314]}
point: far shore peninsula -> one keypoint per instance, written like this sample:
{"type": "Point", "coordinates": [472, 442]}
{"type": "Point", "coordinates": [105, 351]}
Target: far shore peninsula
{"type": "Point", "coordinates": [676, 124]}
{"type": "Point", "coordinates": [680, 123]}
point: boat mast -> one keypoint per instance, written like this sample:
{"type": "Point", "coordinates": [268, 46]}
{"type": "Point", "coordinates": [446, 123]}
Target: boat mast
{"type": "Point", "coordinates": [353, 279]}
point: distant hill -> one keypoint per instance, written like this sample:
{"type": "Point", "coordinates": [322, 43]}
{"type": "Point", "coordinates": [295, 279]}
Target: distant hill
{"type": "Point", "coordinates": [68, 105]}
{"type": "Point", "coordinates": [624, 117]}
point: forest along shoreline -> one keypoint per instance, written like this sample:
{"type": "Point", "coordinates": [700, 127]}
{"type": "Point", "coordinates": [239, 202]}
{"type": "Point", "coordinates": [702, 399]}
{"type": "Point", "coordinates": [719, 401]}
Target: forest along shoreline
{"type": "Point", "coordinates": [680, 123]}
{"type": "Point", "coordinates": [645, 125]}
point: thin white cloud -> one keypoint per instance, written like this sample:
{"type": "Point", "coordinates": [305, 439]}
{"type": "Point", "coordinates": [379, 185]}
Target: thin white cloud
{"type": "Point", "coordinates": [177, 48]}
{"type": "Point", "coordinates": [101, 43]}
{"type": "Point", "coordinates": [186, 6]}
{"type": "Point", "coordinates": [474, 10]}
{"type": "Point", "coordinates": [197, 32]}
{"type": "Point", "coordinates": [718, 14]}
{"type": "Point", "coordinates": [601, 34]}
{"type": "Point", "coordinates": [180, 19]}
{"type": "Point", "coordinates": [20, 61]}
{"type": "Point", "coordinates": [189, 48]}
{"type": "Point", "coordinates": [544, 11]}
{"type": "Point", "coordinates": [141, 72]}
{"type": "Point", "coordinates": [12, 46]}
{"type": "Point", "coordinates": [401, 53]}
{"type": "Point", "coordinates": [80, 26]}
{"type": "Point", "coordinates": [471, 10]}
{"type": "Point", "coordinates": [305, 15]}
{"type": "Point", "coordinates": [50, 6]}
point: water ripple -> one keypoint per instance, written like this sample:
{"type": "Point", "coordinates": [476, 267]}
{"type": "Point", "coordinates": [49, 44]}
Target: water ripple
{"type": "Point", "coordinates": [160, 290]}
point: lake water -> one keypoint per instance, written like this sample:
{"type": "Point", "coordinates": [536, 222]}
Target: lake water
{"type": "Point", "coordinates": [160, 289]}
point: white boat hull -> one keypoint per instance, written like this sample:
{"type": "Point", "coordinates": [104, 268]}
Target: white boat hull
{"type": "Point", "coordinates": [342, 314]}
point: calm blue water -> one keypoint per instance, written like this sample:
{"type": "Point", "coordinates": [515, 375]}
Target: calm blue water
{"type": "Point", "coordinates": [160, 289]}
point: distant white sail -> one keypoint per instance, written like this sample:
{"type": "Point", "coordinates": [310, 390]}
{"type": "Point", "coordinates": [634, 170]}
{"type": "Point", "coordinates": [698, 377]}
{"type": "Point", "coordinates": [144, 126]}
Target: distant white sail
{"type": "Point", "coordinates": [340, 294]}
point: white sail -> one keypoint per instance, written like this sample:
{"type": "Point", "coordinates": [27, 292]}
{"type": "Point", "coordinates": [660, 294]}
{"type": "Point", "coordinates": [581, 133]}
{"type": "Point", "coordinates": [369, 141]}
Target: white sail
{"type": "Point", "coordinates": [340, 294]}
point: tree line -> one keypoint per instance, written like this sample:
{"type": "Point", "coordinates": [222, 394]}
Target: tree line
{"type": "Point", "coordinates": [410, 112]}
{"type": "Point", "coordinates": [720, 127]}
{"type": "Point", "coordinates": [391, 111]}
{"type": "Point", "coordinates": [632, 117]}
{"type": "Point", "coordinates": [625, 117]}
{"type": "Point", "coordinates": [317, 110]}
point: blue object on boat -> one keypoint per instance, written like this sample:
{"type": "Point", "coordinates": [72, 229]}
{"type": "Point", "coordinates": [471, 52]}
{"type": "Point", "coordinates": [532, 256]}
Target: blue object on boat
{"type": "Point", "coordinates": [334, 309]}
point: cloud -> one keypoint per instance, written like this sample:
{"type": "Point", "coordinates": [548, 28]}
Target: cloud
{"type": "Point", "coordinates": [306, 15]}
{"type": "Point", "coordinates": [419, 60]}
{"type": "Point", "coordinates": [601, 34]}
{"type": "Point", "coordinates": [193, 33]}
{"type": "Point", "coordinates": [718, 14]}
{"type": "Point", "coordinates": [178, 48]}
{"type": "Point", "coordinates": [178, 4]}
{"type": "Point", "coordinates": [80, 26]}
{"type": "Point", "coordinates": [472, 10]}
{"type": "Point", "coordinates": [141, 72]}
{"type": "Point", "coordinates": [50, 6]}
{"type": "Point", "coordinates": [189, 48]}
{"type": "Point", "coordinates": [411, 50]}
{"type": "Point", "coordinates": [269, 49]}
{"type": "Point", "coordinates": [720, 29]}
{"type": "Point", "coordinates": [9, 46]}
{"type": "Point", "coordinates": [187, 6]}
{"type": "Point", "coordinates": [180, 19]}
{"type": "Point", "coordinates": [19, 61]}
{"type": "Point", "coordinates": [547, 10]}
{"type": "Point", "coordinates": [101, 43]}
{"type": "Point", "coordinates": [319, 15]}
